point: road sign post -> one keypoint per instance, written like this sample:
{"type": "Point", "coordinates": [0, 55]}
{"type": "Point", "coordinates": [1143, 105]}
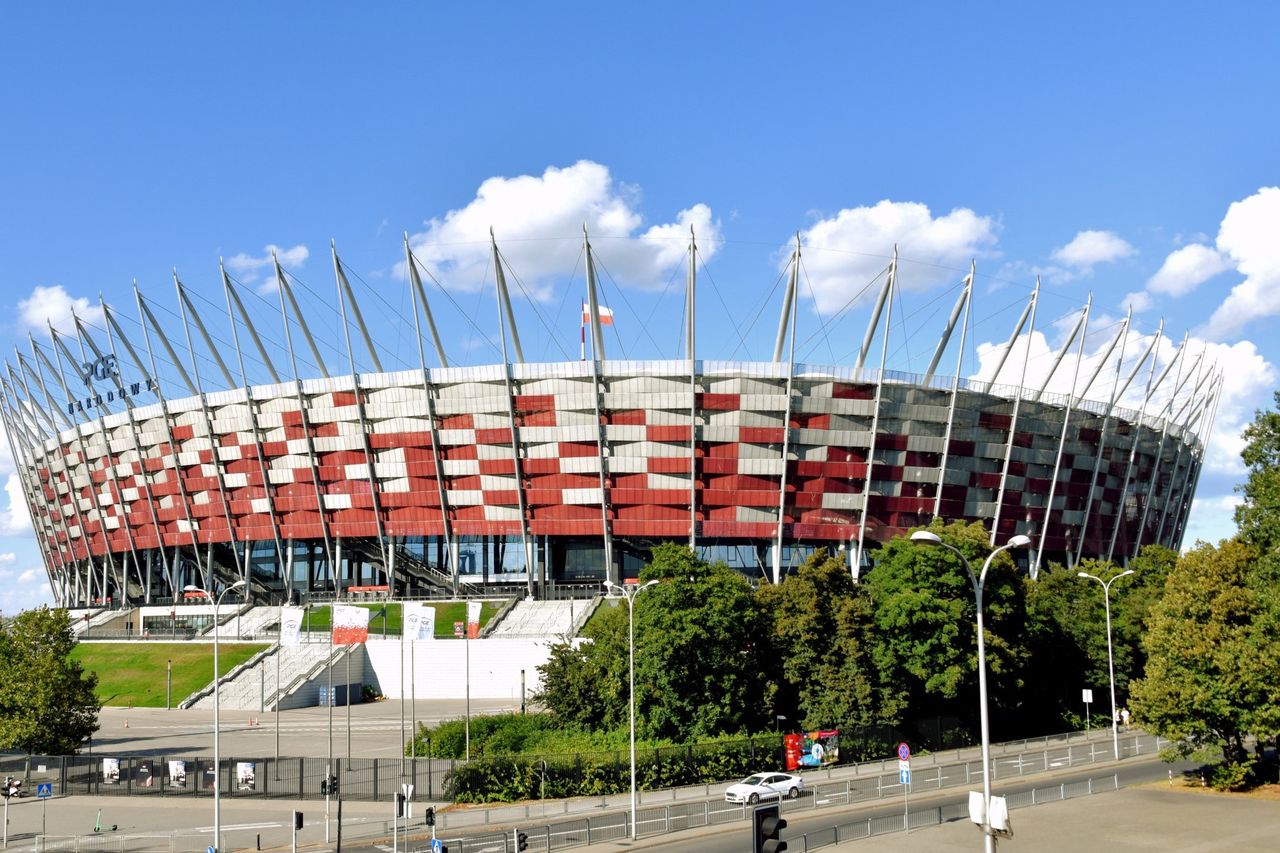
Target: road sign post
{"type": "Point", "coordinates": [44, 791]}
{"type": "Point", "coordinates": [1086, 694]}
{"type": "Point", "coordinates": [904, 778]}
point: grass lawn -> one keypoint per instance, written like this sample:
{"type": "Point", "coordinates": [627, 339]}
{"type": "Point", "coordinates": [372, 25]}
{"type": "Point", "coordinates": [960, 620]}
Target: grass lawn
{"type": "Point", "coordinates": [447, 612]}
{"type": "Point", "coordinates": [133, 674]}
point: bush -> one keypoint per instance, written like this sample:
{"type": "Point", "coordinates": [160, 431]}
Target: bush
{"type": "Point", "coordinates": [1232, 775]}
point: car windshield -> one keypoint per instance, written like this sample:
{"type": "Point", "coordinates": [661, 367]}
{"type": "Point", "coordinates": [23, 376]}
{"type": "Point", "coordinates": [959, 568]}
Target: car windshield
{"type": "Point", "coordinates": [753, 780]}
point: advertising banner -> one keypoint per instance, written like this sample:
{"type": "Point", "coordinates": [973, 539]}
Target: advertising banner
{"type": "Point", "coordinates": [290, 626]}
{"type": "Point", "coordinates": [812, 749]}
{"type": "Point", "coordinates": [111, 771]}
{"type": "Point", "coordinates": [178, 774]}
{"type": "Point", "coordinates": [473, 619]}
{"type": "Point", "coordinates": [419, 621]}
{"type": "Point", "coordinates": [246, 775]}
{"type": "Point", "coordinates": [350, 625]}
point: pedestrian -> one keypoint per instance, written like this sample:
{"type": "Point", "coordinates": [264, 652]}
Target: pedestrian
{"type": "Point", "coordinates": [1124, 718]}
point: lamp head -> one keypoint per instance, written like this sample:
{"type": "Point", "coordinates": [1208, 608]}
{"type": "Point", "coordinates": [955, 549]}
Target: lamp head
{"type": "Point", "coordinates": [1125, 572]}
{"type": "Point", "coordinates": [924, 537]}
{"type": "Point", "coordinates": [236, 585]}
{"type": "Point", "coordinates": [1083, 575]}
{"type": "Point", "coordinates": [1019, 541]}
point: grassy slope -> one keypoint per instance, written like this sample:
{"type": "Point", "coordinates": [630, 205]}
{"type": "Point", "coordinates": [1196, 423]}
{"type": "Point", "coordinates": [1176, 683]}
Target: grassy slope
{"type": "Point", "coordinates": [133, 674]}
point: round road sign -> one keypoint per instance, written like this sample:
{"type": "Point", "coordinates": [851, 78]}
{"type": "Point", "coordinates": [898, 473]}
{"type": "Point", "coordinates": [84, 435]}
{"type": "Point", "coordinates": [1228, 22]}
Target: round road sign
{"type": "Point", "coordinates": [904, 752]}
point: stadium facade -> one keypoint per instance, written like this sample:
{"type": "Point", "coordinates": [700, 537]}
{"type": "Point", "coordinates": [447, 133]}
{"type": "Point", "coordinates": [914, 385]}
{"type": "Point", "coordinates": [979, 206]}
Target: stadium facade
{"type": "Point", "coordinates": [141, 481]}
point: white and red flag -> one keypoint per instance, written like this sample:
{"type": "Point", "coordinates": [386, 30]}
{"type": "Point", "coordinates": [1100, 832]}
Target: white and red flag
{"type": "Point", "coordinates": [350, 625]}
{"type": "Point", "coordinates": [606, 315]}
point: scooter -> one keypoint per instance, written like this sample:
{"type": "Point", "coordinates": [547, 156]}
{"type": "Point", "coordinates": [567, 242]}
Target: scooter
{"type": "Point", "coordinates": [98, 827]}
{"type": "Point", "coordinates": [13, 787]}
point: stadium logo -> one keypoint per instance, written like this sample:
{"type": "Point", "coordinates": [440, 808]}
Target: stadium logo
{"type": "Point", "coordinates": [102, 369]}
{"type": "Point", "coordinates": [107, 368]}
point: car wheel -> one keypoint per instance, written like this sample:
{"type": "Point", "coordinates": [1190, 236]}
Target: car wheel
{"type": "Point", "coordinates": [753, 799]}
{"type": "Point", "coordinates": [794, 793]}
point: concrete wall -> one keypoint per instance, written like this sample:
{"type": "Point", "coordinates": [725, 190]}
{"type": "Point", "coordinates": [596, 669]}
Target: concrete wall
{"type": "Point", "coordinates": [442, 672]}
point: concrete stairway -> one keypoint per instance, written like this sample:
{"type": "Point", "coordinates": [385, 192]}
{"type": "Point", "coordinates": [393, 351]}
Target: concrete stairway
{"type": "Point", "coordinates": [252, 687]}
{"type": "Point", "coordinates": [248, 625]}
{"type": "Point", "coordinates": [530, 618]}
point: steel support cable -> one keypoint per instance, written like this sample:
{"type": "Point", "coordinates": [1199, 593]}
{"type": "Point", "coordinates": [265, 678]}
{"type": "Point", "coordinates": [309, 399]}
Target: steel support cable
{"type": "Point", "coordinates": [454, 303]}
{"type": "Point", "coordinates": [836, 317]}
{"type": "Point", "coordinates": [220, 309]}
{"type": "Point", "coordinates": [764, 303]}
{"type": "Point", "coordinates": [732, 322]}
{"type": "Point", "coordinates": [395, 356]}
{"type": "Point", "coordinates": [564, 297]}
{"type": "Point", "coordinates": [818, 309]}
{"type": "Point", "coordinates": [551, 336]}
{"type": "Point", "coordinates": [274, 309]}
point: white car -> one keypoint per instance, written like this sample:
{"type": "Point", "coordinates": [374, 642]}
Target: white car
{"type": "Point", "coordinates": [764, 786]}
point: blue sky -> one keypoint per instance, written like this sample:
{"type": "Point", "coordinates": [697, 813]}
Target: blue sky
{"type": "Point", "coordinates": [1125, 151]}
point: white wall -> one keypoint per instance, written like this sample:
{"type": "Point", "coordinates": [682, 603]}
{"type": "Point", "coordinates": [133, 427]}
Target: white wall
{"type": "Point", "coordinates": [442, 667]}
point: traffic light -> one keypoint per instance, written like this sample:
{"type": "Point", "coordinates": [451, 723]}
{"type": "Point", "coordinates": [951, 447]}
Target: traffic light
{"type": "Point", "coordinates": [522, 842]}
{"type": "Point", "coordinates": [329, 786]}
{"type": "Point", "coordinates": [430, 816]}
{"type": "Point", "coordinates": [297, 820]}
{"type": "Point", "coordinates": [399, 805]}
{"type": "Point", "coordinates": [767, 830]}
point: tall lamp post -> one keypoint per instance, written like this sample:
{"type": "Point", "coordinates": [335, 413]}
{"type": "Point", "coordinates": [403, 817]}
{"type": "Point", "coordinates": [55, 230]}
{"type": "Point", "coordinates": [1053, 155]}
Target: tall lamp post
{"type": "Point", "coordinates": [217, 695]}
{"type": "Point", "coordinates": [630, 593]}
{"type": "Point", "coordinates": [1111, 666]}
{"type": "Point", "coordinates": [925, 537]}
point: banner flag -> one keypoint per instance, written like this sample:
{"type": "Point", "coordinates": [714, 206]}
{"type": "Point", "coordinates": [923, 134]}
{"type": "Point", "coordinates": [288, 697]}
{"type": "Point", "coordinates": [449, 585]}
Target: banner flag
{"type": "Point", "coordinates": [606, 315]}
{"type": "Point", "coordinates": [419, 621]}
{"type": "Point", "coordinates": [350, 625]}
{"type": "Point", "coordinates": [290, 626]}
{"type": "Point", "coordinates": [473, 619]}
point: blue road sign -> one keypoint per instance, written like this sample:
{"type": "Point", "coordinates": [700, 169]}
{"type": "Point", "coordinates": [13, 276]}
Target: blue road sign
{"type": "Point", "coordinates": [436, 845]}
{"type": "Point", "coordinates": [904, 777]}
{"type": "Point", "coordinates": [904, 752]}
{"type": "Point", "coordinates": [211, 849]}
{"type": "Point", "coordinates": [44, 790]}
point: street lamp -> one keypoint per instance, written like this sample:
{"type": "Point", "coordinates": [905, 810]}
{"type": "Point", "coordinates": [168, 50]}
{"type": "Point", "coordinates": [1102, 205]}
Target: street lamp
{"type": "Point", "coordinates": [217, 695]}
{"type": "Point", "coordinates": [1111, 666]}
{"type": "Point", "coordinates": [924, 537]}
{"type": "Point", "coordinates": [630, 593]}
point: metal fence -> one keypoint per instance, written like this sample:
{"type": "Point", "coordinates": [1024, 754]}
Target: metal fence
{"type": "Point", "coordinates": [239, 777]}
{"type": "Point", "coordinates": [104, 844]}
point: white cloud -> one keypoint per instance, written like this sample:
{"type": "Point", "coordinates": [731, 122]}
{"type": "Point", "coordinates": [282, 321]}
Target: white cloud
{"type": "Point", "coordinates": [531, 216]}
{"type": "Point", "coordinates": [54, 305]}
{"type": "Point", "coordinates": [30, 575]}
{"type": "Point", "coordinates": [1187, 268]}
{"type": "Point", "coordinates": [1248, 236]}
{"type": "Point", "coordinates": [250, 268]}
{"type": "Point", "coordinates": [846, 251]}
{"type": "Point", "coordinates": [15, 518]}
{"type": "Point", "coordinates": [1211, 519]}
{"type": "Point", "coordinates": [8, 557]}
{"type": "Point", "coordinates": [1090, 248]}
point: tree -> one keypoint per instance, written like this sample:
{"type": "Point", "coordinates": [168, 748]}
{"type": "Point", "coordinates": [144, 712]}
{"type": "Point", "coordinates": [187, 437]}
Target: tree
{"type": "Point", "coordinates": [698, 649]}
{"type": "Point", "coordinates": [47, 702]}
{"type": "Point", "coordinates": [1213, 667]}
{"type": "Point", "coordinates": [925, 622]}
{"type": "Point", "coordinates": [1258, 516]}
{"type": "Point", "coordinates": [819, 630]}
{"type": "Point", "coordinates": [697, 652]}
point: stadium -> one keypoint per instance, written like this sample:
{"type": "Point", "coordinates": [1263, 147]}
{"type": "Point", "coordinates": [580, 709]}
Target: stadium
{"type": "Point", "coordinates": [151, 460]}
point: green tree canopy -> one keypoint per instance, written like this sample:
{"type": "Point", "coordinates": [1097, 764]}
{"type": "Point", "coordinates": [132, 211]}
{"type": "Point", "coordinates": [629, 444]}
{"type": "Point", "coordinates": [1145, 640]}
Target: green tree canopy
{"type": "Point", "coordinates": [924, 614]}
{"type": "Point", "coordinates": [1213, 655]}
{"type": "Point", "coordinates": [819, 629]}
{"type": "Point", "coordinates": [1258, 517]}
{"type": "Point", "coordinates": [47, 703]}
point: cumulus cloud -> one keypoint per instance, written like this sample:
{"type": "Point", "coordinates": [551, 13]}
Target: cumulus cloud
{"type": "Point", "coordinates": [1090, 248]}
{"type": "Point", "coordinates": [8, 557]}
{"type": "Point", "coordinates": [531, 216]}
{"type": "Point", "coordinates": [846, 251]}
{"type": "Point", "coordinates": [1248, 236]}
{"type": "Point", "coordinates": [1183, 271]}
{"type": "Point", "coordinates": [54, 305]}
{"type": "Point", "coordinates": [251, 268]}
{"type": "Point", "coordinates": [30, 575]}
{"type": "Point", "coordinates": [15, 517]}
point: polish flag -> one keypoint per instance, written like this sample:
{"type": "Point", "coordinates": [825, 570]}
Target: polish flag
{"type": "Point", "coordinates": [606, 315]}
